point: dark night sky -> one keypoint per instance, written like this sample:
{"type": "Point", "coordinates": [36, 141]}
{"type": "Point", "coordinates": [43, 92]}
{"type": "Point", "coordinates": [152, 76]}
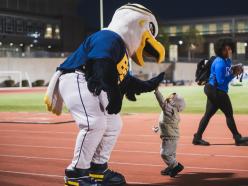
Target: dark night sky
{"type": "Point", "coordinates": [165, 9]}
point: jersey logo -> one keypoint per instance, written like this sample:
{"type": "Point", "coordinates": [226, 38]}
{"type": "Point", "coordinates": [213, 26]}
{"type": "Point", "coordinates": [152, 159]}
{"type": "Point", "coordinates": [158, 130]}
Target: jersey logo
{"type": "Point", "coordinates": [228, 71]}
{"type": "Point", "coordinates": [122, 67]}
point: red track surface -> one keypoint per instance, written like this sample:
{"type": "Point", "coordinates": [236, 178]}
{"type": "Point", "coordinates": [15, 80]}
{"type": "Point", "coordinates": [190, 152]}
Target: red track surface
{"type": "Point", "coordinates": [35, 154]}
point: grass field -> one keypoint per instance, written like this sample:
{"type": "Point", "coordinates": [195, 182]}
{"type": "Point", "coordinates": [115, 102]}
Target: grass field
{"type": "Point", "coordinates": [194, 97]}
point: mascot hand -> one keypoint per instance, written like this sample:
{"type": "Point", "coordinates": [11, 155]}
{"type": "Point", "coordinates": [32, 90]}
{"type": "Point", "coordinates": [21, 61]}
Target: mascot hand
{"type": "Point", "coordinates": [150, 85]}
{"type": "Point", "coordinates": [115, 102]}
{"type": "Point", "coordinates": [132, 86]}
{"type": "Point", "coordinates": [156, 80]}
{"type": "Point", "coordinates": [131, 96]}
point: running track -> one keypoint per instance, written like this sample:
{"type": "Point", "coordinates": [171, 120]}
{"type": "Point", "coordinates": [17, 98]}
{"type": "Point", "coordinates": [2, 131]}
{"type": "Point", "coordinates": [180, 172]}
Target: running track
{"type": "Point", "coordinates": [36, 154]}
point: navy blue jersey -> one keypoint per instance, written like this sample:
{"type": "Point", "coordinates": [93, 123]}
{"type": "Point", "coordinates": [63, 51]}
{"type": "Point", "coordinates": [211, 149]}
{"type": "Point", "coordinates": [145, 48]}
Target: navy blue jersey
{"type": "Point", "coordinates": [221, 73]}
{"type": "Point", "coordinates": [104, 45]}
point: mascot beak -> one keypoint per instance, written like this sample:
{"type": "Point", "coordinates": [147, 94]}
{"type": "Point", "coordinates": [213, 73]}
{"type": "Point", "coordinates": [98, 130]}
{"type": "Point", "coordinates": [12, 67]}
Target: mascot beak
{"type": "Point", "coordinates": [149, 47]}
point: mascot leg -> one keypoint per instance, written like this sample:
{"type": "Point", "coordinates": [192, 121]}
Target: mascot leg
{"type": "Point", "coordinates": [99, 166]}
{"type": "Point", "coordinates": [92, 123]}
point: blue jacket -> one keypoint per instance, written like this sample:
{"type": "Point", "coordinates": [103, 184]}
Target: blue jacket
{"type": "Point", "coordinates": [221, 73]}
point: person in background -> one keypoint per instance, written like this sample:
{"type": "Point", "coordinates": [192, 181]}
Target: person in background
{"type": "Point", "coordinates": [216, 90]}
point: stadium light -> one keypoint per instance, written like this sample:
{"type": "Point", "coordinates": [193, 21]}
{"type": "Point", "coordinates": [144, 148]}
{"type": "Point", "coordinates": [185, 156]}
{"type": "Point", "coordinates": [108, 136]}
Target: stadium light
{"type": "Point", "coordinates": [101, 14]}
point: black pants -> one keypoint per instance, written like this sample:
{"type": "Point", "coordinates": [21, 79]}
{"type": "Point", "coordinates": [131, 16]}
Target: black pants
{"type": "Point", "coordinates": [217, 99]}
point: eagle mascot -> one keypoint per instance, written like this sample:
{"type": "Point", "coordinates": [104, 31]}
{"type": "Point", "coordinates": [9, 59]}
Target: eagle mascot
{"type": "Point", "coordinates": [92, 82]}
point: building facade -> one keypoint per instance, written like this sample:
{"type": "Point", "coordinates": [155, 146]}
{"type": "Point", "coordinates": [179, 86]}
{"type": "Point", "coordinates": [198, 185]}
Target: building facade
{"type": "Point", "coordinates": [39, 28]}
{"type": "Point", "coordinates": [210, 29]}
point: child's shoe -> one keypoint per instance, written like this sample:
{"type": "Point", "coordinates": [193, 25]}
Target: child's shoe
{"type": "Point", "coordinates": [173, 172]}
{"type": "Point", "coordinates": [165, 172]}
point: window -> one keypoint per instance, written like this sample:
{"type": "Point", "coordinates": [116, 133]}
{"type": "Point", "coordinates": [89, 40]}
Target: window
{"type": "Point", "coordinates": [241, 47]}
{"type": "Point", "coordinates": [199, 28]}
{"type": "Point", "coordinates": [185, 28]}
{"type": "Point", "coordinates": [49, 31]}
{"type": "Point", "coordinates": [30, 28]}
{"type": "Point", "coordinates": [179, 29]}
{"type": "Point", "coordinates": [226, 28]}
{"type": "Point", "coordinates": [173, 30]}
{"type": "Point", "coordinates": [241, 27]}
{"type": "Point", "coordinates": [1, 24]}
{"type": "Point", "coordinates": [9, 24]}
{"type": "Point", "coordinates": [57, 32]}
{"type": "Point", "coordinates": [212, 28]}
{"type": "Point", "coordinates": [19, 25]}
{"type": "Point", "coordinates": [167, 30]}
{"type": "Point", "coordinates": [219, 28]}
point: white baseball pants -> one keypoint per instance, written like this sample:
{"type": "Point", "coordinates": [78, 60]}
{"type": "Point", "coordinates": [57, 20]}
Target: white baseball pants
{"type": "Point", "coordinates": [98, 131]}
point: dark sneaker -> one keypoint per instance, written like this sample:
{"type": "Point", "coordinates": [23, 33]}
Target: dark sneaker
{"type": "Point", "coordinates": [82, 181]}
{"type": "Point", "coordinates": [78, 177]}
{"type": "Point", "coordinates": [173, 172]}
{"type": "Point", "coordinates": [105, 176]}
{"type": "Point", "coordinates": [199, 141]}
{"type": "Point", "coordinates": [165, 172]}
{"type": "Point", "coordinates": [241, 141]}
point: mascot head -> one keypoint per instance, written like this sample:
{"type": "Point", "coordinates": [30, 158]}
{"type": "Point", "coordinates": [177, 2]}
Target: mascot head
{"type": "Point", "coordinates": [138, 28]}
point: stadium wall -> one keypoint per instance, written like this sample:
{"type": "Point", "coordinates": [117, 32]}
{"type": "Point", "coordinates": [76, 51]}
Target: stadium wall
{"type": "Point", "coordinates": [43, 68]}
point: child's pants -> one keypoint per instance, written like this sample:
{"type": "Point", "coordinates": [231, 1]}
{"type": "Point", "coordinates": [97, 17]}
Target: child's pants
{"type": "Point", "coordinates": [168, 152]}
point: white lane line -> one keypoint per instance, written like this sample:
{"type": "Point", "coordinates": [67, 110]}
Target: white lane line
{"type": "Point", "coordinates": [133, 151]}
{"type": "Point", "coordinates": [135, 135]}
{"type": "Point", "coordinates": [32, 174]}
{"type": "Point", "coordinates": [36, 146]}
{"type": "Point", "coordinates": [119, 141]}
{"type": "Point", "coordinates": [34, 157]}
{"type": "Point", "coordinates": [187, 167]}
{"type": "Point", "coordinates": [130, 151]}
{"type": "Point", "coordinates": [126, 163]}
{"type": "Point", "coordinates": [38, 132]}
{"type": "Point", "coordinates": [58, 176]}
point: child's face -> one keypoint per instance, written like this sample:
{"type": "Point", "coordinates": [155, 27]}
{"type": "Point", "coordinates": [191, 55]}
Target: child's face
{"type": "Point", "coordinates": [176, 101]}
{"type": "Point", "coordinates": [170, 98]}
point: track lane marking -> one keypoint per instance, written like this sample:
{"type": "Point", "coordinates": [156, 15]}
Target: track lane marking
{"type": "Point", "coordinates": [131, 164]}
{"type": "Point", "coordinates": [139, 135]}
{"type": "Point", "coordinates": [135, 151]}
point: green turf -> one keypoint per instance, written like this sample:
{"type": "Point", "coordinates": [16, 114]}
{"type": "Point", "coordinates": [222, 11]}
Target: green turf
{"type": "Point", "coordinates": [194, 97]}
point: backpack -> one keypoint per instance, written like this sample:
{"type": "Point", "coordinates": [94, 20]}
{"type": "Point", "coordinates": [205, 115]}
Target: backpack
{"type": "Point", "coordinates": [203, 70]}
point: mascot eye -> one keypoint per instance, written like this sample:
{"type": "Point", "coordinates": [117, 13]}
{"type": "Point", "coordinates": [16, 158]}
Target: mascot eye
{"type": "Point", "coordinates": [152, 28]}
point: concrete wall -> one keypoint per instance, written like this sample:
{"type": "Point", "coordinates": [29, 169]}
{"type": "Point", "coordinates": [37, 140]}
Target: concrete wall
{"type": "Point", "coordinates": [37, 68]}
{"type": "Point", "coordinates": [185, 71]}
{"type": "Point", "coordinates": [149, 69]}
{"type": "Point", "coordinates": [43, 68]}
